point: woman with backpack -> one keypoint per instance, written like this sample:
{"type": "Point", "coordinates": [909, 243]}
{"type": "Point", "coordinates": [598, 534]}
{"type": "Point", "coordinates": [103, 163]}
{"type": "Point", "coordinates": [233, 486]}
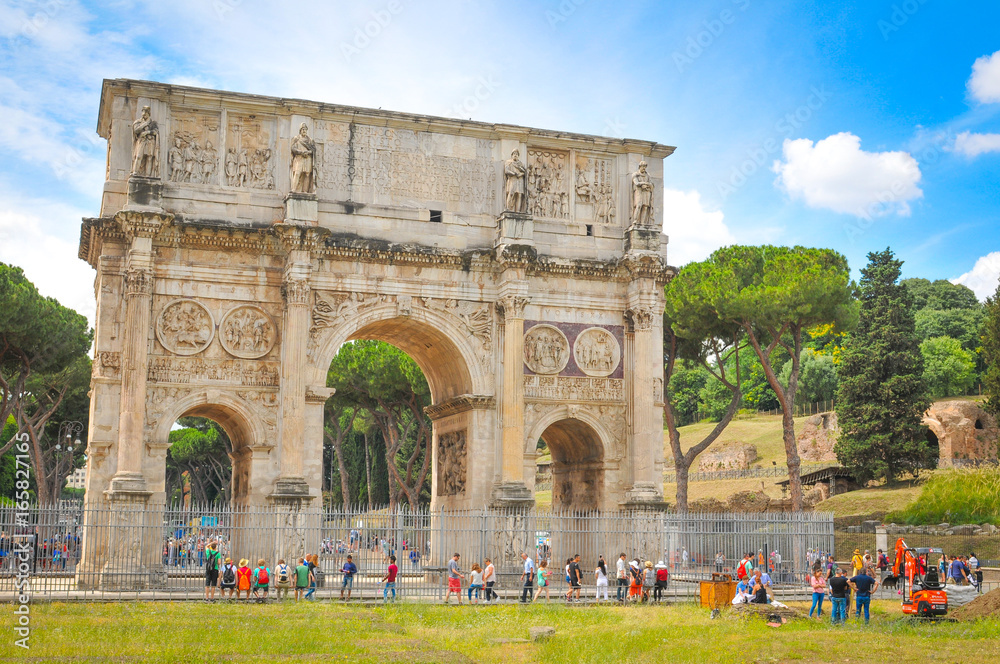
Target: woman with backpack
{"type": "Point", "coordinates": [243, 579]}
{"type": "Point", "coordinates": [662, 574]}
{"type": "Point", "coordinates": [228, 579]}
{"type": "Point", "coordinates": [282, 579]}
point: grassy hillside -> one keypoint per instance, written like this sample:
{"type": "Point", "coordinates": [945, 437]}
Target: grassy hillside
{"type": "Point", "coordinates": [762, 431]}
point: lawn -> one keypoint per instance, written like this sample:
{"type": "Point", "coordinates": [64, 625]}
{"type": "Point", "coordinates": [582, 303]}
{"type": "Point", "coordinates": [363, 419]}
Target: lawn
{"type": "Point", "coordinates": [196, 632]}
{"type": "Point", "coordinates": [761, 431]}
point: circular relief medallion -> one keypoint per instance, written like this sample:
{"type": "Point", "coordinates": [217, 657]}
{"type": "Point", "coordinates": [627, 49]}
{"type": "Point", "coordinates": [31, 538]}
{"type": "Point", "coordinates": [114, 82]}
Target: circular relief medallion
{"type": "Point", "coordinates": [247, 331]}
{"type": "Point", "coordinates": [546, 350]}
{"type": "Point", "coordinates": [597, 352]}
{"type": "Point", "coordinates": [185, 327]}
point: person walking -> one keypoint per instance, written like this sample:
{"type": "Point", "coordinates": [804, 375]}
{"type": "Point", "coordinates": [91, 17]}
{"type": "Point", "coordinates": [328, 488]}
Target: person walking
{"type": "Point", "coordinates": [863, 585]}
{"type": "Point", "coordinates": [390, 580]}
{"type": "Point", "coordinates": [312, 561]}
{"type": "Point", "coordinates": [349, 569]}
{"type": "Point", "coordinates": [489, 579]}
{"type": "Point", "coordinates": [527, 577]}
{"type": "Point", "coordinates": [211, 570]}
{"type": "Point", "coordinates": [601, 580]}
{"type": "Point", "coordinates": [818, 584]}
{"type": "Point", "coordinates": [543, 581]}
{"type": "Point", "coordinates": [282, 579]}
{"type": "Point", "coordinates": [575, 579]}
{"type": "Point", "coordinates": [475, 583]}
{"type": "Point", "coordinates": [455, 577]}
{"type": "Point", "coordinates": [301, 578]}
{"type": "Point", "coordinates": [621, 577]}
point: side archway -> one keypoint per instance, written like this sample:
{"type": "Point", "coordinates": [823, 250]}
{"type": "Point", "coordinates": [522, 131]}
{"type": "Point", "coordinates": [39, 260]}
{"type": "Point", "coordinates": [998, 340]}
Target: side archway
{"type": "Point", "coordinates": [237, 418]}
{"type": "Point", "coordinates": [577, 441]}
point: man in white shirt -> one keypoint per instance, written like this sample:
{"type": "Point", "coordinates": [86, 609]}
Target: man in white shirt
{"type": "Point", "coordinates": [622, 577]}
{"type": "Point", "coordinates": [489, 578]}
{"type": "Point", "coordinates": [528, 576]}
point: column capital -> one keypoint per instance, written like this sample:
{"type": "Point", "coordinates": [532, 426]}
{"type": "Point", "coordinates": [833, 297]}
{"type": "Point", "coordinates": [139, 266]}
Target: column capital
{"type": "Point", "coordinates": [640, 318]}
{"type": "Point", "coordinates": [512, 306]}
{"type": "Point", "coordinates": [138, 281]}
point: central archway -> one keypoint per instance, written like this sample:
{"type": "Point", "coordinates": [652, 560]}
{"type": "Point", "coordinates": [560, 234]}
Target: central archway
{"type": "Point", "coordinates": [455, 364]}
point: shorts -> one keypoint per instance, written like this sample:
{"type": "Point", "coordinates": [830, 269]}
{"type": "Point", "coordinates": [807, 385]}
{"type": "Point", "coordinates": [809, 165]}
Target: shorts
{"type": "Point", "coordinates": [260, 587]}
{"type": "Point", "coordinates": [301, 587]}
{"type": "Point", "coordinates": [348, 582]}
{"type": "Point", "coordinates": [574, 584]}
{"type": "Point", "coordinates": [211, 578]}
{"type": "Point", "coordinates": [228, 586]}
{"type": "Point", "coordinates": [454, 584]}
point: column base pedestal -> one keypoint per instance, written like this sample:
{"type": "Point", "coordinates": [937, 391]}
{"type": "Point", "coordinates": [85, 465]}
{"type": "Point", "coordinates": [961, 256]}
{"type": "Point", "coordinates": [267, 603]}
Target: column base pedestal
{"type": "Point", "coordinates": [128, 487]}
{"type": "Point", "coordinates": [643, 496]}
{"type": "Point", "coordinates": [511, 494]}
{"type": "Point", "coordinates": [131, 531]}
{"type": "Point", "coordinates": [290, 490]}
{"type": "Point", "coordinates": [302, 209]}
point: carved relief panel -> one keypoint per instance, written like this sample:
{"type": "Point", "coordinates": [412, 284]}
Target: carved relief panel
{"type": "Point", "coordinates": [193, 151]}
{"type": "Point", "coordinates": [249, 159]}
{"type": "Point", "coordinates": [451, 463]}
{"type": "Point", "coordinates": [597, 352]}
{"type": "Point", "coordinates": [546, 350]}
{"type": "Point", "coordinates": [248, 332]}
{"type": "Point", "coordinates": [548, 183]}
{"type": "Point", "coordinates": [594, 190]}
{"type": "Point", "coordinates": [185, 327]}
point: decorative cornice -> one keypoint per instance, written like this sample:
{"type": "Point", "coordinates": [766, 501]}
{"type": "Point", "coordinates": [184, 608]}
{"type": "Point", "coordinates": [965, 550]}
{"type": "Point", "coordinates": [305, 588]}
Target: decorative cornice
{"type": "Point", "coordinates": [319, 395]}
{"type": "Point", "coordinates": [294, 237]}
{"type": "Point", "coordinates": [460, 404]}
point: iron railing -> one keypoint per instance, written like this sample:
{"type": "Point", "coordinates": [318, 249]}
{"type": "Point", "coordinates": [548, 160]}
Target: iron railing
{"type": "Point", "coordinates": [157, 551]}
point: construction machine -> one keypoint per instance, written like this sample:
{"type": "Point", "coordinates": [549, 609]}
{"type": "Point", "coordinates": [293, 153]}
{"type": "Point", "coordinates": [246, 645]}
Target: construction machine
{"type": "Point", "coordinates": [923, 592]}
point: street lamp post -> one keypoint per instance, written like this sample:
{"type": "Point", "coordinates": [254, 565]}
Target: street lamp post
{"type": "Point", "coordinates": [67, 440]}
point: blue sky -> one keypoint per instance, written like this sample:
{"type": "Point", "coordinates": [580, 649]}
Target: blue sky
{"type": "Point", "coordinates": [851, 125]}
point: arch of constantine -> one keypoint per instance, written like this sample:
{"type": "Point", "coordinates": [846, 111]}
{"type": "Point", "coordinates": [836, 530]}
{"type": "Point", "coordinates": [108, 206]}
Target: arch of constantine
{"type": "Point", "coordinates": [243, 239]}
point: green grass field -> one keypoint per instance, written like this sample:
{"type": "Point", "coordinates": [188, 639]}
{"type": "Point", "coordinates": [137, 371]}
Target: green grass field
{"type": "Point", "coordinates": [196, 632]}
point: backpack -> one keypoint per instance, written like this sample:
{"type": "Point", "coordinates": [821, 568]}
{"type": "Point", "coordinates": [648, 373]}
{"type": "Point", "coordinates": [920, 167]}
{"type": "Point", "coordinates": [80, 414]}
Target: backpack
{"type": "Point", "coordinates": [282, 574]}
{"type": "Point", "coordinates": [229, 576]}
{"type": "Point", "coordinates": [244, 578]}
{"type": "Point", "coordinates": [741, 571]}
{"type": "Point", "coordinates": [262, 578]}
{"type": "Point", "coordinates": [661, 575]}
{"type": "Point", "coordinates": [212, 560]}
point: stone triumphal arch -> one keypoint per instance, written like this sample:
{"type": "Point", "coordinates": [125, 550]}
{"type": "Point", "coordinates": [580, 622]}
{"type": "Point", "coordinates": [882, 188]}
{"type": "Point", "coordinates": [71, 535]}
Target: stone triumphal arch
{"type": "Point", "coordinates": [243, 239]}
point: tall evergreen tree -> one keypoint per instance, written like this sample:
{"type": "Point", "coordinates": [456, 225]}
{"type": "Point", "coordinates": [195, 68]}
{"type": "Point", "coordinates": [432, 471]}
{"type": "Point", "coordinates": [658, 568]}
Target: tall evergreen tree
{"type": "Point", "coordinates": [990, 336]}
{"type": "Point", "coordinates": [882, 396]}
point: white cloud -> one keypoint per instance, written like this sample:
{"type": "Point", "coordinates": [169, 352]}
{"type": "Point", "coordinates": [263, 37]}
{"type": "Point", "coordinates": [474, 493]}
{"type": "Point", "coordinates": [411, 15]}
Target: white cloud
{"type": "Point", "coordinates": [48, 260]}
{"type": "Point", "coordinates": [694, 232]}
{"type": "Point", "coordinates": [983, 277]}
{"type": "Point", "coordinates": [836, 174]}
{"type": "Point", "coordinates": [973, 145]}
{"type": "Point", "coordinates": [984, 84]}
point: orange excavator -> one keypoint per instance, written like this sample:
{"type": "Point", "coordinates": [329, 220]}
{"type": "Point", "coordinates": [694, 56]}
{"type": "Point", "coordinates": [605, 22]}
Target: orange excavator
{"type": "Point", "coordinates": [923, 592]}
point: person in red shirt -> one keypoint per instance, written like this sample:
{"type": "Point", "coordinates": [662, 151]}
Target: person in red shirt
{"type": "Point", "coordinates": [390, 580]}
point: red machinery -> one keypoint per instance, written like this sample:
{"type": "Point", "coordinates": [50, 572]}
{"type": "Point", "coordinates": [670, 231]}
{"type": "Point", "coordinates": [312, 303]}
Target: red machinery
{"type": "Point", "coordinates": [923, 592]}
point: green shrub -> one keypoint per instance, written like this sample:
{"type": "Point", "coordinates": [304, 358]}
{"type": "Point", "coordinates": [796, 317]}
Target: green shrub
{"type": "Point", "coordinates": [955, 496]}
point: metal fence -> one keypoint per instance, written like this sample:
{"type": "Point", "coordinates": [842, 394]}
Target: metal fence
{"type": "Point", "coordinates": [744, 473]}
{"type": "Point", "coordinates": [157, 551]}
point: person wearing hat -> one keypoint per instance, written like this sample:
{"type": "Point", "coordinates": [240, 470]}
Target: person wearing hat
{"type": "Point", "coordinates": [857, 562]}
{"type": "Point", "coordinates": [635, 581]}
{"type": "Point", "coordinates": [662, 574]}
{"type": "Point", "coordinates": [243, 579]}
{"type": "Point", "coordinates": [228, 579]}
{"type": "Point", "coordinates": [648, 581]}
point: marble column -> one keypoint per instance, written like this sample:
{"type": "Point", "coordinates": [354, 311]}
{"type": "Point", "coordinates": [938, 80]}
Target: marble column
{"type": "Point", "coordinates": [139, 227]}
{"type": "Point", "coordinates": [291, 419]}
{"type": "Point", "coordinates": [512, 489]}
{"type": "Point", "coordinates": [647, 421]}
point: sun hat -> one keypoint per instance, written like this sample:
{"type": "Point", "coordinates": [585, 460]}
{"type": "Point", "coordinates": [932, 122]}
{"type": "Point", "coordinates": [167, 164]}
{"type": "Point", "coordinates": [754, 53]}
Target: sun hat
{"type": "Point", "coordinates": [243, 562]}
{"type": "Point", "coordinates": [634, 564]}
{"type": "Point", "coordinates": [660, 564]}
{"type": "Point", "coordinates": [649, 563]}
